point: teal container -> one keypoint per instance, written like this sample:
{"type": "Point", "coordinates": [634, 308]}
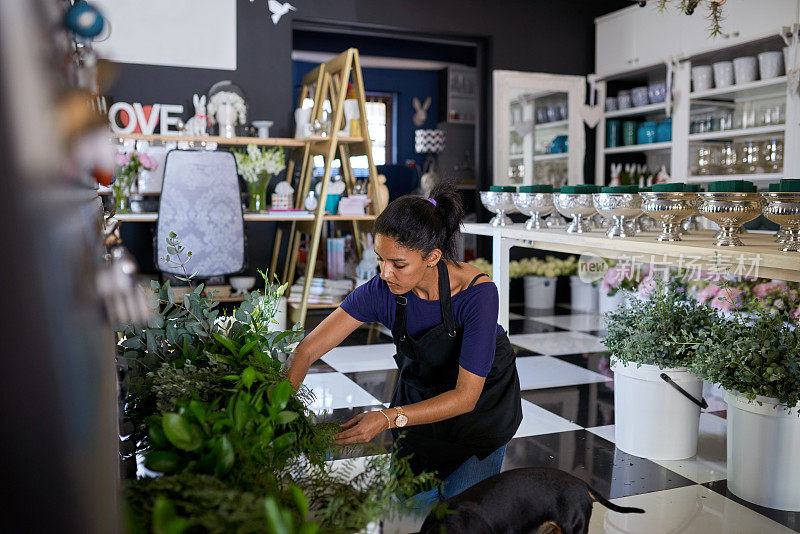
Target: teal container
{"type": "Point", "coordinates": [612, 133]}
{"type": "Point", "coordinates": [629, 132]}
{"type": "Point", "coordinates": [664, 131]}
{"type": "Point", "coordinates": [332, 204]}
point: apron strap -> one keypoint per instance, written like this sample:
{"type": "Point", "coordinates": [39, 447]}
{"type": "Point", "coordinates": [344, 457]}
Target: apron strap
{"type": "Point", "coordinates": [444, 300]}
{"type": "Point", "coordinates": [476, 279]}
{"type": "Point", "coordinates": [399, 330]}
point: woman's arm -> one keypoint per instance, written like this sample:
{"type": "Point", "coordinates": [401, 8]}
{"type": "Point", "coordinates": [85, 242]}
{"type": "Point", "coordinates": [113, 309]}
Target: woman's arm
{"type": "Point", "coordinates": [457, 401]}
{"type": "Point", "coordinates": [327, 335]}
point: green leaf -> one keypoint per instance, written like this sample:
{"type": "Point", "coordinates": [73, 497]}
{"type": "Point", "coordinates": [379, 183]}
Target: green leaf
{"type": "Point", "coordinates": [181, 433]}
{"type": "Point", "coordinates": [275, 524]}
{"type": "Point", "coordinates": [309, 528]}
{"type": "Point", "coordinates": [280, 395]}
{"type": "Point", "coordinates": [246, 349]}
{"type": "Point", "coordinates": [282, 442]}
{"type": "Point", "coordinates": [248, 376]}
{"type": "Point", "coordinates": [242, 413]}
{"type": "Point", "coordinates": [198, 410]}
{"type": "Point", "coordinates": [227, 343]}
{"type": "Point", "coordinates": [163, 461]}
{"type": "Point", "coordinates": [300, 500]}
{"type": "Point", "coordinates": [165, 520]}
{"type": "Point", "coordinates": [225, 456]}
{"type": "Point", "coordinates": [156, 434]}
{"type": "Point", "coordinates": [286, 417]}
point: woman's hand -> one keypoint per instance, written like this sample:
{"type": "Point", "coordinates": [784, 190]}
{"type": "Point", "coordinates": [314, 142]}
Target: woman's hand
{"type": "Point", "coordinates": [362, 428]}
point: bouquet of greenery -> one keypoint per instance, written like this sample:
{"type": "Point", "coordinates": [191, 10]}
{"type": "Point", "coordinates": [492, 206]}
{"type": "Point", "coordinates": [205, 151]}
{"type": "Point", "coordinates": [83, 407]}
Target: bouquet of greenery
{"type": "Point", "coordinates": [236, 448]}
{"type": "Point", "coordinates": [659, 330]}
{"type": "Point", "coordinates": [257, 166]}
{"type": "Point", "coordinates": [128, 168]}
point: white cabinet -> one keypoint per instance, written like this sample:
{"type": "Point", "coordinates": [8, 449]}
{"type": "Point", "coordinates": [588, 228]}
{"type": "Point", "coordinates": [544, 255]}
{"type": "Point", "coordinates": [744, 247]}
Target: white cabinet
{"type": "Point", "coordinates": [634, 37]}
{"type": "Point", "coordinates": [615, 50]}
{"type": "Point", "coordinates": [744, 20]}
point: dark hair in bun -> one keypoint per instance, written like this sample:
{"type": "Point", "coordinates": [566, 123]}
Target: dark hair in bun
{"type": "Point", "coordinates": [417, 223]}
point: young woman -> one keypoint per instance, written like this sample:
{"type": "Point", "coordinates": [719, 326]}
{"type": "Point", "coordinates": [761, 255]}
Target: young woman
{"type": "Point", "coordinates": [457, 398]}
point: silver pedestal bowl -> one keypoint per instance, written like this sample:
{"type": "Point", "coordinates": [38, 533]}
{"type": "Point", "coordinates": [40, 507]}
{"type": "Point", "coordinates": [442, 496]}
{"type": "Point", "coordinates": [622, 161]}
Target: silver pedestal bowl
{"type": "Point", "coordinates": [535, 206]}
{"type": "Point", "coordinates": [501, 204]}
{"type": "Point", "coordinates": [622, 208]}
{"type": "Point", "coordinates": [669, 208]}
{"type": "Point", "coordinates": [578, 206]}
{"type": "Point", "coordinates": [730, 211]}
{"type": "Point", "coordinates": [784, 209]}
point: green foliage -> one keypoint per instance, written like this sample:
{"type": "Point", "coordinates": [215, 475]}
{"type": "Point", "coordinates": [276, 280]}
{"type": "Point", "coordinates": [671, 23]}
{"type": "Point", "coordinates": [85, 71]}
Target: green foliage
{"type": "Point", "coordinates": [758, 355]}
{"type": "Point", "coordinates": [658, 330]}
{"type": "Point", "coordinates": [236, 448]}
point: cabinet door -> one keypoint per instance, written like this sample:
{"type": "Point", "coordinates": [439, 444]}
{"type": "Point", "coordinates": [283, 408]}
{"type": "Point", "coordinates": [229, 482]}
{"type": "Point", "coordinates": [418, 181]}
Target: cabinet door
{"type": "Point", "coordinates": [743, 21]}
{"type": "Point", "coordinates": [657, 34]}
{"type": "Point", "coordinates": [615, 48]}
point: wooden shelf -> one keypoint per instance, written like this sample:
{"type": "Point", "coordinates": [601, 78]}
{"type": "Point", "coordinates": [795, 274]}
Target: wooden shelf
{"type": "Point", "coordinates": [751, 89]}
{"type": "Point", "coordinates": [646, 147]}
{"type": "Point", "coordinates": [739, 132]}
{"type": "Point", "coordinates": [639, 110]}
{"type": "Point", "coordinates": [270, 141]}
{"type": "Point", "coordinates": [253, 217]}
{"type": "Point", "coordinates": [698, 247]}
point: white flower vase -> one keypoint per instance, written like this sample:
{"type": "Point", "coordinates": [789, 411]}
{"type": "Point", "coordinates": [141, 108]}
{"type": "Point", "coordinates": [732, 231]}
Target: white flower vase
{"type": "Point", "coordinates": [540, 292]}
{"type": "Point", "coordinates": [763, 459]}
{"type": "Point", "coordinates": [226, 118]}
{"type": "Point", "coordinates": [583, 295]}
{"type": "Point", "coordinates": [652, 419]}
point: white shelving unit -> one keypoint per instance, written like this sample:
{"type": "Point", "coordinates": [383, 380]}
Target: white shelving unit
{"type": "Point", "coordinates": [552, 125]}
{"type": "Point", "coordinates": [550, 157]}
{"type": "Point", "coordinates": [678, 153]}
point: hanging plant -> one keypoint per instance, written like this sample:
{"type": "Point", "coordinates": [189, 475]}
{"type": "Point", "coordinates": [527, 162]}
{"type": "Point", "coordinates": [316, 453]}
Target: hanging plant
{"type": "Point", "coordinates": [714, 16]}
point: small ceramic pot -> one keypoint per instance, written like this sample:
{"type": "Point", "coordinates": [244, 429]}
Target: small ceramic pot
{"type": "Point", "coordinates": [624, 99]}
{"type": "Point", "coordinates": [639, 96]}
{"type": "Point", "coordinates": [611, 103]}
{"type": "Point", "coordinates": [770, 64]}
{"type": "Point", "coordinates": [612, 133]}
{"type": "Point", "coordinates": [553, 114]}
{"type": "Point", "coordinates": [745, 69]}
{"type": "Point", "coordinates": [646, 133]}
{"type": "Point", "coordinates": [657, 92]}
{"type": "Point", "coordinates": [702, 78]}
{"type": "Point", "coordinates": [629, 132]}
{"type": "Point", "coordinates": [664, 131]}
{"type": "Point", "coordinates": [541, 115]}
{"type": "Point", "coordinates": [723, 73]}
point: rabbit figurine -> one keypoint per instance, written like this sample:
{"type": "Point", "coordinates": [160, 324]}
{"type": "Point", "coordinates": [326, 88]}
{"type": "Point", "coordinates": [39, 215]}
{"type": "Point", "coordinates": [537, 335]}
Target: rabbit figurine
{"type": "Point", "coordinates": [198, 124]}
{"type": "Point", "coordinates": [421, 111]}
{"type": "Point", "coordinates": [616, 170]}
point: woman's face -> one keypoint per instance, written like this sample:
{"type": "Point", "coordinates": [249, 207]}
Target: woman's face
{"type": "Point", "coordinates": [402, 268]}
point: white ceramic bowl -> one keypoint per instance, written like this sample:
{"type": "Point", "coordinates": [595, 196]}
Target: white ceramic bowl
{"type": "Point", "coordinates": [242, 283]}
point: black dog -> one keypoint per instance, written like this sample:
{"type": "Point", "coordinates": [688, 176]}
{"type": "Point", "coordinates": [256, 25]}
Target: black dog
{"type": "Point", "coordinates": [523, 501]}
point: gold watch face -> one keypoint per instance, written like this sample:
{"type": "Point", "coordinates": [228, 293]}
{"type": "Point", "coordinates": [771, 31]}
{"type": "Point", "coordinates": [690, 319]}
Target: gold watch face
{"type": "Point", "coordinates": [401, 420]}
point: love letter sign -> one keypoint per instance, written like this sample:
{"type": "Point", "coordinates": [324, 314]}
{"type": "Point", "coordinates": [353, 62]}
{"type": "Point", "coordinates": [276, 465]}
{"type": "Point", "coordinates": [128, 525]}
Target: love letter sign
{"type": "Point", "coordinates": [128, 118]}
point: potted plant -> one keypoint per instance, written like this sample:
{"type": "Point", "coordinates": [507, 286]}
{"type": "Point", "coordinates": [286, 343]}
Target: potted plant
{"type": "Point", "coordinates": [755, 358]}
{"type": "Point", "coordinates": [540, 277]}
{"type": "Point", "coordinates": [583, 293]}
{"type": "Point", "coordinates": [649, 340]}
{"type": "Point", "coordinates": [128, 168]}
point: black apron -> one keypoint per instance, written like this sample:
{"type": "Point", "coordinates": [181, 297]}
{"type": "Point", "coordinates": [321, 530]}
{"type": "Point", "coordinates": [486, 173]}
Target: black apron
{"type": "Point", "coordinates": [429, 366]}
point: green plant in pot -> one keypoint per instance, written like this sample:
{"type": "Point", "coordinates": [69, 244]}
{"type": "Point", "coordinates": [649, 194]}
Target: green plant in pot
{"type": "Point", "coordinates": [756, 360]}
{"type": "Point", "coordinates": [257, 166]}
{"type": "Point", "coordinates": [649, 340]}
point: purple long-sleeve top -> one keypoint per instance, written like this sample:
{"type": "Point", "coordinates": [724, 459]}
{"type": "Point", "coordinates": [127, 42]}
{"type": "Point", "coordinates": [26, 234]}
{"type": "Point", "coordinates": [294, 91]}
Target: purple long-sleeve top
{"type": "Point", "coordinates": [475, 310]}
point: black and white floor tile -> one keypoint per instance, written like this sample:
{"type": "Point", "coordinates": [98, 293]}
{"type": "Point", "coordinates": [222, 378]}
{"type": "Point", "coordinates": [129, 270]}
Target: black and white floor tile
{"type": "Point", "coordinates": [568, 423]}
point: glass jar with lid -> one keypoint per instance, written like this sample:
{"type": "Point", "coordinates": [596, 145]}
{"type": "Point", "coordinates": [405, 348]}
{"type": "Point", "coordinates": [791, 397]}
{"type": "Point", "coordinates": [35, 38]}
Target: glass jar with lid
{"type": "Point", "coordinates": [727, 159]}
{"type": "Point", "coordinates": [749, 158]}
{"type": "Point", "coordinates": [705, 161]}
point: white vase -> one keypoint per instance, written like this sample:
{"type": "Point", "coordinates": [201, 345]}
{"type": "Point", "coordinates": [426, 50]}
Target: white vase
{"type": "Point", "coordinates": [763, 451]}
{"type": "Point", "coordinates": [226, 118]}
{"type": "Point", "coordinates": [770, 64]}
{"type": "Point", "coordinates": [540, 292]}
{"type": "Point", "coordinates": [583, 295]}
{"type": "Point", "coordinates": [651, 418]}
{"type": "Point", "coordinates": [745, 69]}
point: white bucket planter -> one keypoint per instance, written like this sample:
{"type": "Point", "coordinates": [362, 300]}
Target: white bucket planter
{"type": "Point", "coordinates": [583, 295]}
{"type": "Point", "coordinates": [763, 451]}
{"type": "Point", "coordinates": [609, 303]}
{"type": "Point", "coordinates": [540, 292]}
{"type": "Point", "coordinates": [651, 418]}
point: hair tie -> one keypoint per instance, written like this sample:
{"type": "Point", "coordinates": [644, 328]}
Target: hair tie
{"type": "Point", "coordinates": [432, 201]}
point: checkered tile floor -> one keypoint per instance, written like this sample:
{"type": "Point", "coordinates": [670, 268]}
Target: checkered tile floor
{"type": "Point", "coordinates": [568, 423]}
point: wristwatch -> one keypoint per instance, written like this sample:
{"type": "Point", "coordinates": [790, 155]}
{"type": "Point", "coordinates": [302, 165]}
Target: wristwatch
{"type": "Point", "coordinates": [401, 420]}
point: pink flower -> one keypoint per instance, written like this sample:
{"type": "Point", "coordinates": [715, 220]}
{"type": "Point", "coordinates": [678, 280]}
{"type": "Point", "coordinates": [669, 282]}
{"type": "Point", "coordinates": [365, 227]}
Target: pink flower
{"type": "Point", "coordinates": [767, 288]}
{"type": "Point", "coordinates": [148, 162]}
{"type": "Point", "coordinates": [795, 314]}
{"type": "Point", "coordinates": [728, 299]}
{"type": "Point", "coordinates": [121, 159]}
{"type": "Point", "coordinates": [647, 286]}
{"type": "Point", "coordinates": [709, 292]}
